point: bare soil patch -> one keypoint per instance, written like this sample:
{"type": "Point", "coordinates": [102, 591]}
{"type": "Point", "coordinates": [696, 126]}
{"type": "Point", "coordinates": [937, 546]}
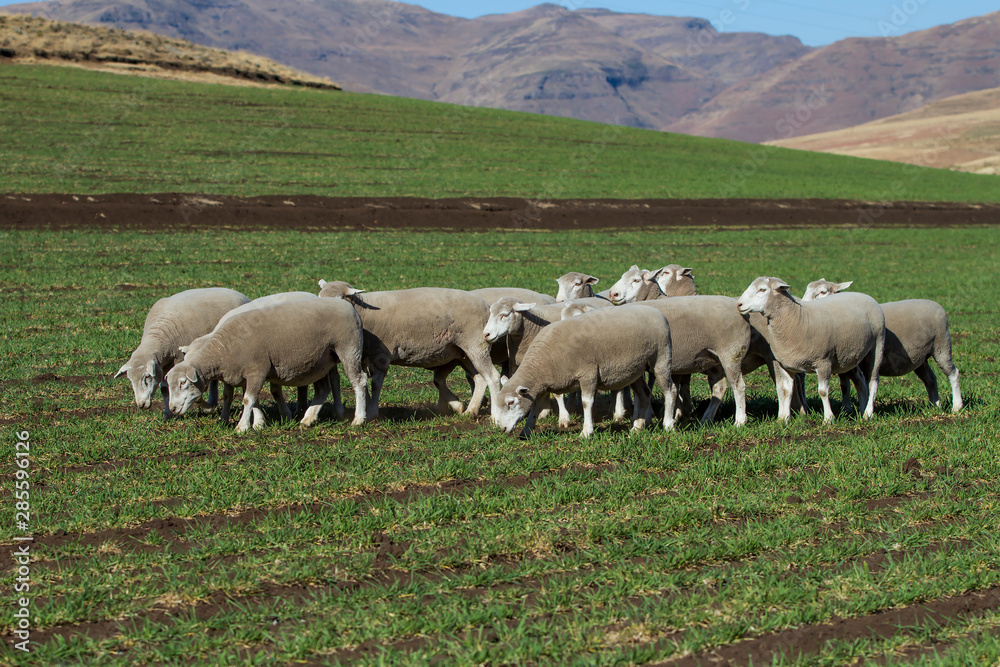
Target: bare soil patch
{"type": "Point", "coordinates": [175, 212]}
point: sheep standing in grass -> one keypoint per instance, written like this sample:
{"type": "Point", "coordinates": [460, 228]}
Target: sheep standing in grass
{"type": "Point", "coordinates": [834, 335]}
{"type": "Point", "coordinates": [915, 331]}
{"type": "Point", "coordinates": [172, 322]}
{"type": "Point", "coordinates": [279, 396]}
{"type": "Point", "coordinates": [709, 337]}
{"type": "Point", "coordinates": [426, 327]}
{"type": "Point", "coordinates": [517, 324]}
{"type": "Point", "coordinates": [289, 344]}
{"type": "Point", "coordinates": [605, 349]}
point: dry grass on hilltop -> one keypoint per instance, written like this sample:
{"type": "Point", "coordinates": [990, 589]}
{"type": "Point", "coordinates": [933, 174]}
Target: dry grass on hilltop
{"type": "Point", "coordinates": [28, 39]}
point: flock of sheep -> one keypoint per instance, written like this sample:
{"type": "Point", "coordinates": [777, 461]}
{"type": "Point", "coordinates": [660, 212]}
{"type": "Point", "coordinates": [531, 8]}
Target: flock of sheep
{"type": "Point", "coordinates": [649, 324]}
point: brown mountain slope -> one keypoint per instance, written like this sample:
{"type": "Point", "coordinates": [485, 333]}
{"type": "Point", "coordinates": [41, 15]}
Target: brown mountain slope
{"type": "Point", "coordinates": [28, 39]}
{"type": "Point", "coordinates": [854, 81]}
{"type": "Point", "coordinates": [960, 132]}
{"type": "Point", "coordinates": [677, 74]}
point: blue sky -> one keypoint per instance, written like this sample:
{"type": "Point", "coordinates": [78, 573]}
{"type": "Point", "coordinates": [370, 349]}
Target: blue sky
{"type": "Point", "coordinates": [812, 21]}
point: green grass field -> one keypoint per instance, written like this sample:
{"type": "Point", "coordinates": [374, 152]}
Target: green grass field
{"type": "Point", "coordinates": [420, 538]}
{"type": "Point", "coordinates": [90, 132]}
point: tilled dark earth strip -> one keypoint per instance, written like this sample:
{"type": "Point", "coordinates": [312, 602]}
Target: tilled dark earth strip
{"type": "Point", "coordinates": [811, 639]}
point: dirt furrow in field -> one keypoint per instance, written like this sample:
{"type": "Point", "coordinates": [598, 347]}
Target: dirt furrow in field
{"type": "Point", "coordinates": [809, 640]}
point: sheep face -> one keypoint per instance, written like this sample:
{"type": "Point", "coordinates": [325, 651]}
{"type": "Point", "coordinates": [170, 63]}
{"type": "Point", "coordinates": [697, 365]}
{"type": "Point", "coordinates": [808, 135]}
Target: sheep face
{"type": "Point", "coordinates": [144, 379]}
{"type": "Point", "coordinates": [185, 387]}
{"type": "Point", "coordinates": [513, 406]}
{"type": "Point", "coordinates": [672, 272]}
{"type": "Point", "coordinates": [626, 290]}
{"type": "Point", "coordinates": [574, 286]}
{"type": "Point", "coordinates": [755, 298]}
{"type": "Point", "coordinates": [504, 318]}
{"type": "Point", "coordinates": [818, 289]}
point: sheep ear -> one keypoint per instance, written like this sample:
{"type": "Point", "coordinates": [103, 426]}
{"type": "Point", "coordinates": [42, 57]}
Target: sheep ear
{"type": "Point", "coordinates": [522, 391]}
{"type": "Point", "coordinates": [192, 375]}
{"type": "Point", "coordinates": [685, 272]}
{"type": "Point", "coordinates": [351, 291]}
{"type": "Point", "coordinates": [322, 283]}
{"type": "Point", "coordinates": [651, 276]}
{"type": "Point", "coordinates": [521, 307]}
{"type": "Point", "coordinates": [122, 371]}
{"type": "Point", "coordinates": [843, 286]}
{"type": "Point", "coordinates": [780, 286]}
{"type": "Point", "coordinates": [591, 280]}
{"type": "Point", "coordinates": [503, 380]}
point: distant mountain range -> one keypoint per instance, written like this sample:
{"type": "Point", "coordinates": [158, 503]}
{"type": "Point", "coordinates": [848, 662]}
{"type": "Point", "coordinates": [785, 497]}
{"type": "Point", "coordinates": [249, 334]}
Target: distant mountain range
{"type": "Point", "coordinates": [666, 73]}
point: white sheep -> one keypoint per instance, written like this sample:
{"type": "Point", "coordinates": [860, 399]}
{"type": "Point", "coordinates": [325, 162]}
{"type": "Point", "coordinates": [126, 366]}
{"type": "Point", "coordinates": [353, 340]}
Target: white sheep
{"type": "Point", "coordinates": [279, 397]}
{"type": "Point", "coordinates": [709, 337]}
{"type": "Point", "coordinates": [516, 324]}
{"type": "Point", "coordinates": [605, 349]}
{"type": "Point", "coordinates": [830, 336]}
{"type": "Point", "coordinates": [915, 331]}
{"type": "Point", "coordinates": [675, 280]}
{"type": "Point", "coordinates": [172, 322]}
{"type": "Point", "coordinates": [426, 327]}
{"type": "Point", "coordinates": [574, 285]}
{"type": "Point", "coordinates": [289, 344]}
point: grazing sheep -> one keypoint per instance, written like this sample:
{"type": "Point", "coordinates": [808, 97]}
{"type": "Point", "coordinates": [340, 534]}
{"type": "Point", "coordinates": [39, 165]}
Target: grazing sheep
{"type": "Point", "coordinates": [520, 323]}
{"type": "Point", "coordinates": [604, 349]}
{"type": "Point", "coordinates": [279, 396]}
{"type": "Point", "coordinates": [915, 331]}
{"type": "Point", "coordinates": [830, 336]}
{"type": "Point", "coordinates": [426, 327]}
{"type": "Point", "coordinates": [709, 337]}
{"type": "Point", "coordinates": [289, 344]}
{"type": "Point", "coordinates": [172, 322]}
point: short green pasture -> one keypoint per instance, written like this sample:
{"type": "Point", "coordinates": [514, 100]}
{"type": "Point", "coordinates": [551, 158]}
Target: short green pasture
{"type": "Point", "coordinates": [419, 537]}
{"type": "Point", "coordinates": [70, 130]}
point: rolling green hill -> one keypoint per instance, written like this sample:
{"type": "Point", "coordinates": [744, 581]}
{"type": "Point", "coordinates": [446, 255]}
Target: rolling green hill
{"type": "Point", "coordinates": [71, 130]}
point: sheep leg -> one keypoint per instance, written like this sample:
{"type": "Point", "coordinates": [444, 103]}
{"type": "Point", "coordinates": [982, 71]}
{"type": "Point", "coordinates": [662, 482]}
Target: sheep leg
{"type": "Point", "coordinates": [784, 385]}
{"type": "Point", "coordinates": [735, 377]}
{"type": "Point", "coordinates": [642, 410]}
{"type": "Point", "coordinates": [823, 374]}
{"type": "Point", "coordinates": [620, 406]}
{"type": "Point", "coordinates": [165, 393]}
{"type": "Point", "coordinates": [333, 377]}
{"type": "Point", "coordinates": [588, 390]}
{"type": "Point", "coordinates": [856, 376]}
{"type": "Point", "coordinates": [942, 355]}
{"type": "Point", "coordinates": [321, 389]}
{"type": "Point", "coordinates": [669, 388]}
{"type": "Point", "coordinates": [227, 402]}
{"type": "Point", "coordinates": [799, 402]}
{"type": "Point", "coordinates": [872, 373]}
{"type": "Point", "coordinates": [378, 377]}
{"type": "Point", "coordinates": [279, 398]}
{"type": "Point", "coordinates": [482, 365]}
{"type": "Point", "coordinates": [301, 401]}
{"type": "Point", "coordinates": [717, 379]}
{"type": "Point", "coordinates": [448, 402]}
{"type": "Point", "coordinates": [251, 413]}
{"type": "Point", "coordinates": [564, 416]}
{"type": "Point", "coordinates": [213, 393]}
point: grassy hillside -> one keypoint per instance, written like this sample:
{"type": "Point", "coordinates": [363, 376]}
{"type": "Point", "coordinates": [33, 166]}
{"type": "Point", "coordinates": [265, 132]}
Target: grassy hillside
{"type": "Point", "coordinates": [82, 131]}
